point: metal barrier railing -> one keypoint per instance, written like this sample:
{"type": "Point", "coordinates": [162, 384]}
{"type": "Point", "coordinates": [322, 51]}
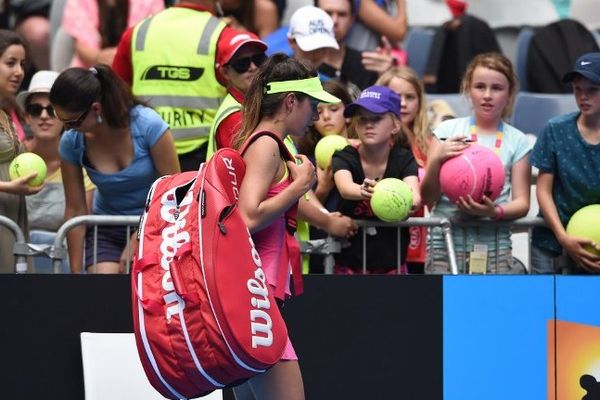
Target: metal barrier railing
{"type": "Point", "coordinates": [443, 223]}
{"type": "Point", "coordinates": [524, 224]}
{"type": "Point", "coordinates": [20, 248]}
{"type": "Point", "coordinates": [327, 247]}
{"type": "Point", "coordinates": [59, 251]}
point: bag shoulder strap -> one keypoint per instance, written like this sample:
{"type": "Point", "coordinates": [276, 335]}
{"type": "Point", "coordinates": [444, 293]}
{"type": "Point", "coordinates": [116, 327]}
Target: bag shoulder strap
{"type": "Point", "coordinates": [285, 152]}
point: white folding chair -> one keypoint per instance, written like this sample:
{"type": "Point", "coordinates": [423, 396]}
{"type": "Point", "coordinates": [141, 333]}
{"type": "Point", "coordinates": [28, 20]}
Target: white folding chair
{"type": "Point", "coordinates": [112, 369]}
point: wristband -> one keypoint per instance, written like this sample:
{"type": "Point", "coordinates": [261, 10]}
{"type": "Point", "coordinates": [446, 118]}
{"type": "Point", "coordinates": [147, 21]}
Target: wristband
{"type": "Point", "coordinates": [500, 215]}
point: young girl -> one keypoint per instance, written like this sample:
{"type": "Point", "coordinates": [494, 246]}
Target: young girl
{"type": "Point", "coordinates": [282, 99]}
{"type": "Point", "coordinates": [563, 184]}
{"type": "Point", "coordinates": [383, 152]}
{"type": "Point", "coordinates": [490, 84]}
{"type": "Point", "coordinates": [415, 126]}
{"type": "Point", "coordinates": [331, 122]}
{"type": "Point", "coordinates": [122, 145]}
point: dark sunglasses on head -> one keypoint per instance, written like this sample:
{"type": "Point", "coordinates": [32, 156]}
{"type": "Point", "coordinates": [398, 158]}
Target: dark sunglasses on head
{"type": "Point", "coordinates": [75, 123]}
{"type": "Point", "coordinates": [242, 65]}
{"type": "Point", "coordinates": [35, 110]}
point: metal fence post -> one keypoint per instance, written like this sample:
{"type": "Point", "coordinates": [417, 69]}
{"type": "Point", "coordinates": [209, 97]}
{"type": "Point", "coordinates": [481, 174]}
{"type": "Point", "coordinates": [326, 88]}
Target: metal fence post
{"type": "Point", "coordinates": [20, 249]}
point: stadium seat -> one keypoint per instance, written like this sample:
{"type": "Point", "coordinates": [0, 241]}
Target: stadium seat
{"type": "Point", "coordinates": [417, 45]}
{"type": "Point", "coordinates": [457, 101]}
{"type": "Point", "coordinates": [112, 369]}
{"type": "Point", "coordinates": [533, 110]}
{"type": "Point", "coordinates": [522, 46]}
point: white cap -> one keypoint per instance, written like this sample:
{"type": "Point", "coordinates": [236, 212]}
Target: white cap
{"type": "Point", "coordinates": [312, 28]}
{"type": "Point", "coordinates": [41, 82]}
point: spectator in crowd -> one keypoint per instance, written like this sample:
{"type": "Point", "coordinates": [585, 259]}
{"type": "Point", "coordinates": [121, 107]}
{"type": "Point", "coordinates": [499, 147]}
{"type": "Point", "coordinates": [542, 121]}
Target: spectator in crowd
{"type": "Point", "coordinates": [383, 152]}
{"type": "Point", "coordinates": [257, 16]}
{"type": "Point", "coordinates": [311, 35]}
{"type": "Point", "coordinates": [282, 100]}
{"type": "Point", "coordinates": [97, 25]}
{"type": "Point", "coordinates": [184, 88]}
{"type": "Point", "coordinates": [564, 185]}
{"type": "Point", "coordinates": [12, 193]}
{"type": "Point", "coordinates": [491, 85]}
{"type": "Point", "coordinates": [12, 60]}
{"type": "Point", "coordinates": [122, 145]}
{"type": "Point", "coordinates": [46, 209]}
{"type": "Point", "coordinates": [347, 64]}
{"type": "Point", "coordinates": [415, 126]}
{"type": "Point", "coordinates": [378, 19]}
{"type": "Point", "coordinates": [33, 24]}
{"type": "Point", "coordinates": [331, 122]}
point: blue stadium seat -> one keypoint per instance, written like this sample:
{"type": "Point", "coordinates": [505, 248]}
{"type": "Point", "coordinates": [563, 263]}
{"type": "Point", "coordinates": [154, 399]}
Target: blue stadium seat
{"type": "Point", "coordinates": [417, 45]}
{"type": "Point", "coordinates": [457, 101]}
{"type": "Point", "coordinates": [533, 110]}
{"type": "Point", "coordinates": [522, 46]}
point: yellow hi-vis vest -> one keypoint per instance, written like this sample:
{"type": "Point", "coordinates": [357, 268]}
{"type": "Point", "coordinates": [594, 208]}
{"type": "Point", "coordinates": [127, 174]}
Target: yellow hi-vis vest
{"type": "Point", "coordinates": [228, 107]}
{"type": "Point", "coordinates": [173, 59]}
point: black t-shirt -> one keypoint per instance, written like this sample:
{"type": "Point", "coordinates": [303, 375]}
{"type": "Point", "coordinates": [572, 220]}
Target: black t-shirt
{"type": "Point", "coordinates": [381, 242]}
{"type": "Point", "coordinates": [352, 70]}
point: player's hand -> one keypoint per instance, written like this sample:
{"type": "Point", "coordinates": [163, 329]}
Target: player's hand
{"type": "Point", "coordinates": [303, 173]}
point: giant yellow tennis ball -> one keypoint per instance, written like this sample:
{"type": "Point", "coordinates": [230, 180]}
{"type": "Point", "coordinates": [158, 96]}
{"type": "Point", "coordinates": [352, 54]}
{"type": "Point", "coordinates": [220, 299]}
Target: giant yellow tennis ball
{"type": "Point", "coordinates": [25, 164]}
{"type": "Point", "coordinates": [325, 148]}
{"type": "Point", "coordinates": [585, 223]}
{"type": "Point", "coordinates": [392, 200]}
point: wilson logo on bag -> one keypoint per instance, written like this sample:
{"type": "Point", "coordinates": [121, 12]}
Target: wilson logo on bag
{"type": "Point", "coordinates": [204, 315]}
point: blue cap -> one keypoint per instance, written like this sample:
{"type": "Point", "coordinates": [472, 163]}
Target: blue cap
{"type": "Point", "coordinates": [588, 65]}
{"type": "Point", "coordinates": [377, 99]}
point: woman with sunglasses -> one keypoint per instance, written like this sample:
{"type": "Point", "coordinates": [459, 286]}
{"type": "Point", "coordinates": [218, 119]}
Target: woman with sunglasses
{"type": "Point", "coordinates": [236, 67]}
{"type": "Point", "coordinates": [122, 145]}
{"type": "Point", "coordinates": [46, 209]}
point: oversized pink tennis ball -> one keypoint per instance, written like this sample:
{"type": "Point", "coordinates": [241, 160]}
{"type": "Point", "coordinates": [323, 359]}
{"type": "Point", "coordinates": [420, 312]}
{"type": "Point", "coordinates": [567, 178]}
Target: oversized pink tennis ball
{"type": "Point", "coordinates": [325, 148]}
{"type": "Point", "coordinates": [585, 223]}
{"type": "Point", "coordinates": [25, 164]}
{"type": "Point", "coordinates": [478, 171]}
{"type": "Point", "coordinates": [392, 200]}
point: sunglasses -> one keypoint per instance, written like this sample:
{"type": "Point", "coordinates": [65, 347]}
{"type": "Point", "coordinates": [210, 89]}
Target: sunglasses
{"type": "Point", "coordinates": [35, 110]}
{"type": "Point", "coordinates": [75, 123]}
{"type": "Point", "coordinates": [242, 65]}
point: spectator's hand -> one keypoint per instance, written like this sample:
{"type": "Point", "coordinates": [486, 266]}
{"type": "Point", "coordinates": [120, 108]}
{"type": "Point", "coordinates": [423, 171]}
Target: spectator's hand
{"type": "Point", "coordinates": [339, 225]}
{"type": "Point", "coordinates": [417, 202]}
{"type": "Point", "coordinates": [366, 189]}
{"type": "Point", "coordinates": [128, 255]}
{"type": "Point", "coordinates": [21, 187]}
{"type": "Point", "coordinates": [302, 172]}
{"type": "Point", "coordinates": [575, 247]}
{"type": "Point", "coordinates": [106, 55]}
{"type": "Point", "coordinates": [380, 60]}
{"type": "Point", "coordinates": [487, 208]}
{"type": "Point", "coordinates": [325, 179]}
{"type": "Point", "coordinates": [450, 147]}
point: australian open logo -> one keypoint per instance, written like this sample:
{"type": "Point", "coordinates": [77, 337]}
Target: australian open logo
{"type": "Point", "coordinates": [317, 26]}
{"type": "Point", "coordinates": [172, 73]}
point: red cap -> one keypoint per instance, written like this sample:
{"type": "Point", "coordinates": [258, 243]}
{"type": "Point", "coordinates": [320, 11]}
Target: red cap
{"type": "Point", "coordinates": [232, 41]}
{"type": "Point", "coordinates": [457, 7]}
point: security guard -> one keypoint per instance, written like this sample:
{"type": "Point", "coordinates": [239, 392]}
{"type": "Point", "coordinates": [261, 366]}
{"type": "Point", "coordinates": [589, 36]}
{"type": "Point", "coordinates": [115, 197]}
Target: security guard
{"type": "Point", "coordinates": [169, 60]}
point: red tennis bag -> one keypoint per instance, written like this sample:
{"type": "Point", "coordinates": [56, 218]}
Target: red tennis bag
{"type": "Point", "coordinates": [204, 316]}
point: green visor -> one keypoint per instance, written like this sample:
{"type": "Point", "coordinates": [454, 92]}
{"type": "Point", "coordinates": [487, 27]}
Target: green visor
{"type": "Point", "coordinates": [310, 86]}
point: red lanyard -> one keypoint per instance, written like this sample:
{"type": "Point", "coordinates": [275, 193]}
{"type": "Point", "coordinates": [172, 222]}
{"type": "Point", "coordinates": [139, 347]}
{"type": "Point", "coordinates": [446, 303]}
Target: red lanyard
{"type": "Point", "coordinates": [499, 135]}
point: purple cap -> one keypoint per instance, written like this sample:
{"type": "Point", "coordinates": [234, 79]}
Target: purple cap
{"type": "Point", "coordinates": [377, 99]}
{"type": "Point", "coordinates": [588, 65]}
